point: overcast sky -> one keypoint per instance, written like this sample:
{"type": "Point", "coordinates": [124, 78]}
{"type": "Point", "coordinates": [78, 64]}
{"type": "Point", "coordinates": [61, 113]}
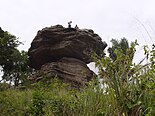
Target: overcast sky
{"type": "Point", "coordinates": [108, 18]}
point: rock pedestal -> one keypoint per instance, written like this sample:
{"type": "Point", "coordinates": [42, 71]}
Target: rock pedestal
{"type": "Point", "coordinates": [70, 70]}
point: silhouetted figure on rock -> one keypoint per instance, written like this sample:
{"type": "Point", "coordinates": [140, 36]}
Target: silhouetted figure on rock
{"type": "Point", "coordinates": [76, 27]}
{"type": "Point", "coordinates": [69, 24]}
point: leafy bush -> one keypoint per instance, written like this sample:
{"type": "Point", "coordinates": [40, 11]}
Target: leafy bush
{"type": "Point", "coordinates": [14, 102]}
{"type": "Point", "coordinates": [4, 86]}
{"type": "Point", "coordinates": [37, 104]}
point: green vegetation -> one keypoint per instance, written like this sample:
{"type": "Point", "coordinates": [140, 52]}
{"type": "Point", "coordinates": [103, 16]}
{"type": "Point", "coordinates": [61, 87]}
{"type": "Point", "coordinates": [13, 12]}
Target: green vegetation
{"type": "Point", "coordinates": [14, 63]}
{"type": "Point", "coordinates": [126, 89]}
{"type": "Point", "coordinates": [129, 88]}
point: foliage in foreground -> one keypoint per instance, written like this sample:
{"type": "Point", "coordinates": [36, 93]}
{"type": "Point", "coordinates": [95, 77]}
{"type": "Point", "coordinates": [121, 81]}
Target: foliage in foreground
{"type": "Point", "coordinates": [129, 88]}
{"type": "Point", "coordinates": [13, 63]}
{"type": "Point", "coordinates": [56, 99]}
{"type": "Point", "coordinates": [126, 90]}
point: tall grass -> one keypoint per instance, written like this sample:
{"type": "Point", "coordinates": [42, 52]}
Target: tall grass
{"type": "Point", "coordinates": [130, 88]}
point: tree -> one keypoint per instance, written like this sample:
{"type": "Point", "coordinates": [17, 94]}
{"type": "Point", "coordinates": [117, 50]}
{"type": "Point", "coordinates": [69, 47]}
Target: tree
{"type": "Point", "coordinates": [8, 44]}
{"type": "Point", "coordinates": [13, 62]}
{"type": "Point", "coordinates": [122, 46]}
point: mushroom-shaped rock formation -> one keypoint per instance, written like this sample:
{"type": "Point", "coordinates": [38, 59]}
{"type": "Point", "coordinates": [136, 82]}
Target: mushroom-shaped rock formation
{"type": "Point", "coordinates": [56, 42]}
{"type": "Point", "coordinates": [64, 52]}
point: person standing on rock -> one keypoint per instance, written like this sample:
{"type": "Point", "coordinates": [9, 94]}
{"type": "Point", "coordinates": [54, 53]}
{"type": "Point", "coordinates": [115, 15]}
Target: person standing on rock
{"type": "Point", "coordinates": [76, 27]}
{"type": "Point", "coordinates": [69, 24]}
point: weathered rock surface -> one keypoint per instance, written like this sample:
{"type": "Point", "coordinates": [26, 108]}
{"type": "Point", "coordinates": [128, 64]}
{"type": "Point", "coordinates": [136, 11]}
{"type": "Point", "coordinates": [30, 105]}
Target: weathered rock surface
{"type": "Point", "coordinates": [55, 42]}
{"type": "Point", "coordinates": [70, 70]}
{"type": "Point", "coordinates": [64, 52]}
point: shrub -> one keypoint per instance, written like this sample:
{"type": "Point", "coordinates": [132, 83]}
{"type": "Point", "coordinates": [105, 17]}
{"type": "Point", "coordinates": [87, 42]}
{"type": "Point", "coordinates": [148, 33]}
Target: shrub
{"type": "Point", "coordinates": [129, 87]}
